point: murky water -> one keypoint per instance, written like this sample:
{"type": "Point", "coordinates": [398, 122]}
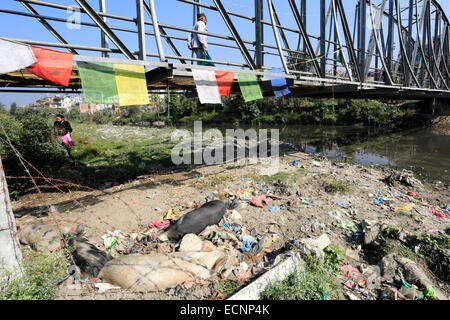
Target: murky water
{"type": "Point", "coordinates": [425, 151]}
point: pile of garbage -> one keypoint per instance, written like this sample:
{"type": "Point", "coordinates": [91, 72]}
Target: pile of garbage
{"type": "Point", "coordinates": [208, 243]}
{"type": "Point", "coordinates": [181, 249]}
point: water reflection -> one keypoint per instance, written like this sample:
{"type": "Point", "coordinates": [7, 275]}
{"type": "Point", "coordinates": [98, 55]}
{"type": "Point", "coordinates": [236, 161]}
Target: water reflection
{"type": "Point", "coordinates": [424, 151]}
{"type": "Point", "coordinates": [364, 157]}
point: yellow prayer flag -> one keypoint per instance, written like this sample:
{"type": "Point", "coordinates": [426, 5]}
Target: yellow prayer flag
{"type": "Point", "coordinates": [131, 85]}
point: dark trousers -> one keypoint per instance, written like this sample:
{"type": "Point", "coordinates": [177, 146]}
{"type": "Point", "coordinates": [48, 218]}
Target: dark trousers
{"type": "Point", "coordinates": [199, 53]}
{"type": "Point", "coordinates": [66, 148]}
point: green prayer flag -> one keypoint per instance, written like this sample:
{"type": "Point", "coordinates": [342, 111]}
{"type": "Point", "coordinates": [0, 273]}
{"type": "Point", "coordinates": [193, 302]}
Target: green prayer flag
{"type": "Point", "coordinates": [98, 82]}
{"type": "Point", "coordinates": [249, 87]}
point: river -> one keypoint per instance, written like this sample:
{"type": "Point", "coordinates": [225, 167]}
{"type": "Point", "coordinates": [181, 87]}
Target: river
{"type": "Point", "coordinates": [425, 151]}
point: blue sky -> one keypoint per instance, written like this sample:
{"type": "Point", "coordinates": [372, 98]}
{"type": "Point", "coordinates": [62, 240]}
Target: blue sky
{"type": "Point", "coordinates": [170, 12]}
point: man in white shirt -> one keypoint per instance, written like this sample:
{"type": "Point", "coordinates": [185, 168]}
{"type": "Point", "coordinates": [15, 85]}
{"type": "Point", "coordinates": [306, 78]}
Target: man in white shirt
{"type": "Point", "coordinates": [199, 42]}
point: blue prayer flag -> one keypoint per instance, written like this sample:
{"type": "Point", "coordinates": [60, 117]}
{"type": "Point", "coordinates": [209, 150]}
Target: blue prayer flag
{"type": "Point", "coordinates": [279, 85]}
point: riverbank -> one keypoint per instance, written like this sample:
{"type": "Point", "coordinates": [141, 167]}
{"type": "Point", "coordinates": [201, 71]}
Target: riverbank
{"type": "Point", "coordinates": [368, 221]}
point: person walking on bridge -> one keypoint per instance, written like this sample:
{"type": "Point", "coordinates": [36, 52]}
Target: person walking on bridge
{"type": "Point", "coordinates": [199, 42]}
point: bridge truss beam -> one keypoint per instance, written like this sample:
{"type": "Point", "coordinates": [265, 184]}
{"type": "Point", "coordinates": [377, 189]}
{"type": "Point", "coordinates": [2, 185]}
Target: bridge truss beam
{"type": "Point", "coordinates": [397, 45]}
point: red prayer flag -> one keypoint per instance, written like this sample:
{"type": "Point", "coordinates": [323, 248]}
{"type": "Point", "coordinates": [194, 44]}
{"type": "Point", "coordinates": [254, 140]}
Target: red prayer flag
{"type": "Point", "coordinates": [224, 82]}
{"type": "Point", "coordinates": [52, 65]}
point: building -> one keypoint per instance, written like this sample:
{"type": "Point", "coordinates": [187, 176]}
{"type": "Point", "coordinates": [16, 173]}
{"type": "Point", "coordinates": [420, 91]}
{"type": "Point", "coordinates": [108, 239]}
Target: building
{"type": "Point", "coordinates": [92, 108]}
{"type": "Point", "coordinates": [67, 103]}
{"type": "Point", "coordinates": [87, 108]}
{"type": "Point", "coordinates": [56, 102]}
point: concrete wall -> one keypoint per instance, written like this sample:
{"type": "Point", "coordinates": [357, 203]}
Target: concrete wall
{"type": "Point", "coordinates": [10, 253]}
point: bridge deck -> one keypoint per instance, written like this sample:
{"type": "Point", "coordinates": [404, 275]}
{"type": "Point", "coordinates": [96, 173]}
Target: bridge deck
{"type": "Point", "coordinates": [161, 78]}
{"type": "Point", "coordinates": [403, 43]}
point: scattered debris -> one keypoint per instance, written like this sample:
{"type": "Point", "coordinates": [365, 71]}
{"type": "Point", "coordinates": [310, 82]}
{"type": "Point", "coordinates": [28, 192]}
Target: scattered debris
{"type": "Point", "coordinates": [260, 201]}
{"type": "Point", "coordinates": [189, 252]}
{"type": "Point", "coordinates": [160, 224]}
{"type": "Point", "coordinates": [314, 246]}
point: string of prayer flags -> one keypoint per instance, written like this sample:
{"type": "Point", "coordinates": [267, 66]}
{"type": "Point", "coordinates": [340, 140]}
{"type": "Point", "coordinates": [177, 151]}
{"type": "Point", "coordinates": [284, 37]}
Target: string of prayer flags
{"type": "Point", "coordinates": [250, 88]}
{"type": "Point", "coordinates": [98, 82]}
{"type": "Point", "coordinates": [131, 85]}
{"type": "Point", "coordinates": [207, 88]}
{"type": "Point", "coordinates": [279, 85]}
{"type": "Point", "coordinates": [52, 65]}
{"type": "Point", "coordinates": [15, 56]}
{"type": "Point", "coordinates": [224, 82]}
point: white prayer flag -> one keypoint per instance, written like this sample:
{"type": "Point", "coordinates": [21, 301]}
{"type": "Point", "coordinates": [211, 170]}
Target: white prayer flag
{"type": "Point", "coordinates": [15, 56]}
{"type": "Point", "coordinates": [207, 88]}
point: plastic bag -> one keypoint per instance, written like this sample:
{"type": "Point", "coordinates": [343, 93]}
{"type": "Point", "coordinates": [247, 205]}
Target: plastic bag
{"type": "Point", "coordinates": [67, 139]}
{"type": "Point", "coordinates": [206, 56]}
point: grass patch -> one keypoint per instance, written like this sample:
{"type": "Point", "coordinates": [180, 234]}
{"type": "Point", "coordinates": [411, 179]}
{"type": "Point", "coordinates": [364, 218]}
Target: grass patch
{"type": "Point", "coordinates": [40, 272]}
{"type": "Point", "coordinates": [280, 176]}
{"type": "Point", "coordinates": [388, 233]}
{"type": "Point", "coordinates": [106, 153]}
{"type": "Point", "coordinates": [204, 183]}
{"type": "Point", "coordinates": [228, 287]}
{"type": "Point", "coordinates": [392, 246]}
{"type": "Point", "coordinates": [432, 242]}
{"type": "Point", "coordinates": [406, 214]}
{"type": "Point", "coordinates": [316, 281]}
{"type": "Point", "coordinates": [336, 187]}
{"type": "Point", "coordinates": [283, 176]}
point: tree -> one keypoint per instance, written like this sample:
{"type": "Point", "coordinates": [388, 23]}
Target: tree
{"type": "Point", "coordinates": [3, 108]}
{"type": "Point", "coordinates": [13, 108]}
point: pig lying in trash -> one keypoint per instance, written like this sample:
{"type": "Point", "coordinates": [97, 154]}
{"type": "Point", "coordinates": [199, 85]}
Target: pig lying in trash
{"type": "Point", "coordinates": [46, 238]}
{"type": "Point", "coordinates": [158, 272]}
{"type": "Point", "coordinates": [87, 257]}
{"type": "Point", "coordinates": [195, 221]}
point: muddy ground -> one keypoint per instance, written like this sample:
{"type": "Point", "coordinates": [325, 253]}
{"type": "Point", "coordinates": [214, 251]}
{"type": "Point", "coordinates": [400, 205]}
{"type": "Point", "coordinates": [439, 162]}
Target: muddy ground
{"type": "Point", "coordinates": [319, 187]}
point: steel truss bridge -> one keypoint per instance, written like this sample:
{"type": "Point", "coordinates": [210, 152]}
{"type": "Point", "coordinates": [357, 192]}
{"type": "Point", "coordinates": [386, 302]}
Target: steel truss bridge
{"type": "Point", "coordinates": [391, 49]}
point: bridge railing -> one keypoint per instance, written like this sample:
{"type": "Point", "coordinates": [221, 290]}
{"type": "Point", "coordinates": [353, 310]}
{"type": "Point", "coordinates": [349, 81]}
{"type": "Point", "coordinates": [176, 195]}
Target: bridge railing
{"type": "Point", "coordinates": [395, 43]}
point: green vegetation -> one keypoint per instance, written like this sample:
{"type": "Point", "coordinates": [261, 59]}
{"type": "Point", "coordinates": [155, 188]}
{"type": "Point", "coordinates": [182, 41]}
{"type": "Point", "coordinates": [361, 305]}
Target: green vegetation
{"type": "Point", "coordinates": [334, 258]}
{"type": "Point", "coordinates": [315, 281]}
{"type": "Point", "coordinates": [393, 246]}
{"type": "Point", "coordinates": [282, 177]}
{"type": "Point", "coordinates": [428, 241]}
{"type": "Point", "coordinates": [103, 153]}
{"type": "Point", "coordinates": [432, 249]}
{"type": "Point", "coordinates": [13, 108]}
{"type": "Point", "coordinates": [389, 233]}
{"type": "Point", "coordinates": [435, 251]}
{"type": "Point", "coordinates": [40, 273]}
{"type": "Point", "coordinates": [107, 153]}
{"type": "Point", "coordinates": [270, 111]}
{"type": "Point", "coordinates": [31, 136]}
{"type": "Point", "coordinates": [228, 287]}
{"type": "Point", "coordinates": [337, 187]}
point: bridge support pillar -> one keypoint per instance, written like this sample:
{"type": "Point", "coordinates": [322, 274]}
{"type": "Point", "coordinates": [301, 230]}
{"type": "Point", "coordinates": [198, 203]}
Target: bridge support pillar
{"type": "Point", "coordinates": [439, 107]}
{"type": "Point", "coordinates": [259, 33]}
